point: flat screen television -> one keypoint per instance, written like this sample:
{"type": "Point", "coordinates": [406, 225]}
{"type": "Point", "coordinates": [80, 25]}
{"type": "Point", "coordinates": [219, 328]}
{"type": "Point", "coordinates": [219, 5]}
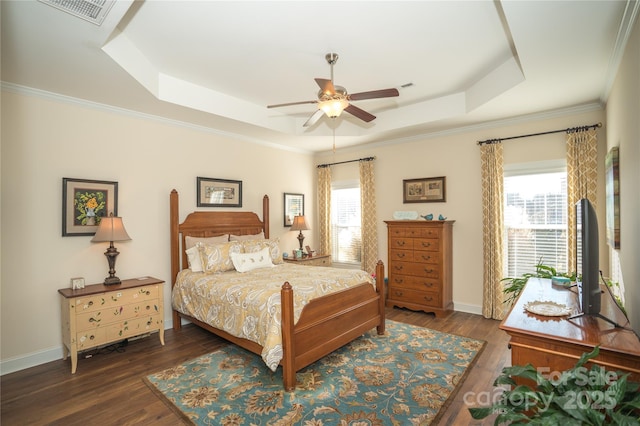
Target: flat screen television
{"type": "Point", "coordinates": [587, 258]}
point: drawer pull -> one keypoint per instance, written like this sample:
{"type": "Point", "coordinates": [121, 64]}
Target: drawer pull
{"type": "Point", "coordinates": [400, 255]}
{"type": "Point", "coordinates": [400, 243]}
{"type": "Point", "coordinates": [428, 299]}
{"type": "Point", "coordinates": [398, 280]}
{"type": "Point", "coordinates": [429, 285]}
{"type": "Point", "coordinates": [398, 293]}
{"type": "Point", "coordinates": [398, 267]}
{"type": "Point", "coordinates": [428, 244]}
{"type": "Point", "coordinates": [426, 257]}
{"type": "Point", "coordinates": [428, 271]}
{"type": "Point", "coordinates": [90, 303]}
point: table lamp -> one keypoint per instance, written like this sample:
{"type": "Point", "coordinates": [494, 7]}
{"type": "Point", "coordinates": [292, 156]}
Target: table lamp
{"type": "Point", "coordinates": [111, 229]}
{"type": "Point", "coordinates": [300, 224]}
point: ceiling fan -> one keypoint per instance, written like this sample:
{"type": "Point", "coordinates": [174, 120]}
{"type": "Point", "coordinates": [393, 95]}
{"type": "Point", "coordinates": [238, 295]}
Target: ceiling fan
{"type": "Point", "coordinates": [333, 99]}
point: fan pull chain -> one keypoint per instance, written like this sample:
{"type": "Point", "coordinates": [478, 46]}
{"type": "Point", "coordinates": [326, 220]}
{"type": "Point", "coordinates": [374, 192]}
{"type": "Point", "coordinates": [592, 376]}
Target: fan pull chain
{"type": "Point", "coordinates": [334, 135]}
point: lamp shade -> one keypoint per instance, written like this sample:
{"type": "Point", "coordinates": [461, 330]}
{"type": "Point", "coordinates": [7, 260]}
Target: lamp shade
{"type": "Point", "coordinates": [111, 229]}
{"type": "Point", "coordinates": [300, 224]}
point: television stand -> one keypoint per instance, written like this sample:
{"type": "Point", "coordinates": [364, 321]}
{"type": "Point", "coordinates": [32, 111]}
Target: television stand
{"type": "Point", "coordinates": [610, 321]}
{"type": "Point", "coordinates": [556, 344]}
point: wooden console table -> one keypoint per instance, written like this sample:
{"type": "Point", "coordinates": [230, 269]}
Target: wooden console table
{"type": "Point", "coordinates": [557, 343]}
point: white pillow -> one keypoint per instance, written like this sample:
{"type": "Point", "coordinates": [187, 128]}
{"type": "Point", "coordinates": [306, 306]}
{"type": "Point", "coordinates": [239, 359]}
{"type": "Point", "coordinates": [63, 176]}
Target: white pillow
{"type": "Point", "coordinates": [193, 257]}
{"type": "Point", "coordinates": [245, 262]}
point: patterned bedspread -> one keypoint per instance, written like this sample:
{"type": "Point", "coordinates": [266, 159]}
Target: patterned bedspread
{"type": "Point", "coordinates": [247, 304]}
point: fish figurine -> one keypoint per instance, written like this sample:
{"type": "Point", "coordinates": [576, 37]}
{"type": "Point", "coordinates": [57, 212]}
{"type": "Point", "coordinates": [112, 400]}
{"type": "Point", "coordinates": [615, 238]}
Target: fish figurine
{"type": "Point", "coordinates": [441, 217]}
{"type": "Point", "coordinates": [427, 217]}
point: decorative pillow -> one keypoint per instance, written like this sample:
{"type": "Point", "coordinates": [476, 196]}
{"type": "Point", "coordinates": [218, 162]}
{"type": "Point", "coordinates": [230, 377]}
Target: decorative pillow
{"type": "Point", "coordinates": [215, 257]}
{"type": "Point", "coordinates": [192, 241]}
{"type": "Point", "coordinates": [245, 262]}
{"type": "Point", "coordinates": [259, 236]}
{"type": "Point", "coordinates": [193, 257]}
{"type": "Point", "coordinates": [253, 246]}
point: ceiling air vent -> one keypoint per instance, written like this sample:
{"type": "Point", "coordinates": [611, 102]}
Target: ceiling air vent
{"type": "Point", "coordinates": [93, 11]}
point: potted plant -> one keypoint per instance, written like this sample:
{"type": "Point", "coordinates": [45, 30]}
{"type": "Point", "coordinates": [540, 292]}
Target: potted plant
{"type": "Point", "coordinates": [578, 396]}
{"type": "Point", "coordinates": [513, 286]}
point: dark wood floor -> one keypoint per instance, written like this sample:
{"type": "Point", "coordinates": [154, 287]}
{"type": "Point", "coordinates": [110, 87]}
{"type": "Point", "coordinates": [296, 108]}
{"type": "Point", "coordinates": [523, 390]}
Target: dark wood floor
{"type": "Point", "coordinates": [108, 388]}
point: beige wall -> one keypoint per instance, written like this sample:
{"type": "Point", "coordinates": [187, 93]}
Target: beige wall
{"type": "Point", "coordinates": [457, 157]}
{"type": "Point", "coordinates": [44, 140]}
{"type": "Point", "coordinates": [623, 130]}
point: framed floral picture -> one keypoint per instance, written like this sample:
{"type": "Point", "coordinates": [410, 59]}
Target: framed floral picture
{"type": "Point", "coordinates": [219, 192]}
{"type": "Point", "coordinates": [84, 203]}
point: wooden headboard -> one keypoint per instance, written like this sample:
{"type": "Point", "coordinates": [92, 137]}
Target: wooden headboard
{"type": "Point", "coordinates": [210, 224]}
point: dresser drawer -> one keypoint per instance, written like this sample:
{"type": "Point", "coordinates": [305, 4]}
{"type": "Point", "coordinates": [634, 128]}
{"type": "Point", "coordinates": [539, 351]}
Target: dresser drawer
{"type": "Point", "coordinates": [103, 317]}
{"type": "Point", "coordinates": [426, 244]}
{"type": "Point", "coordinates": [415, 232]}
{"type": "Point", "coordinates": [415, 283]}
{"type": "Point", "coordinates": [401, 243]}
{"type": "Point", "coordinates": [426, 298]}
{"type": "Point", "coordinates": [91, 338]}
{"type": "Point", "coordinates": [133, 327]}
{"type": "Point", "coordinates": [416, 269]}
{"type": "Point", "coordinates": [405, 255]}
{"type": "Point", "coordinates": [115, 298]}
{"type": "Point", "coordinates": [423, 256]}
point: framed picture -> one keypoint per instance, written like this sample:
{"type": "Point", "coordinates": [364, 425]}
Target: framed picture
{"type": "Point", "coordinates": [84, 204]}
{"type": "Point", "coordinates": [293, 206]}
{"type": "Point", "coordinates": [612, 198]}
{"type": "Point", "coordinates": [425, 190]}
{"type": "Point", "coordinates": [219, 192]}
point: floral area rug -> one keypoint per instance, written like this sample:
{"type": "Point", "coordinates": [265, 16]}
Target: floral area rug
{"type": "Point", "coordinates": [404, 377]}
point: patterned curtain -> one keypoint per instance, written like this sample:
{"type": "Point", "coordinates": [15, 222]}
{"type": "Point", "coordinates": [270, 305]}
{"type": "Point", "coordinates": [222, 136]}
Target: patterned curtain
{"type": "Point", "coordinates": [369, 217]}
{"type": "Point", "coordinates": [582, 175]}
{"type": "Point", "coordinates": [493, 299]}
{"type": "Point", "coordinates": [324, 209]}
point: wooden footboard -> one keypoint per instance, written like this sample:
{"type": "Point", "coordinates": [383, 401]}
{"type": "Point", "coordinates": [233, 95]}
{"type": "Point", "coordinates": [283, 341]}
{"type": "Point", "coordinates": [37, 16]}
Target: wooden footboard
{"type": "Point", "coordinates": [328, 323]}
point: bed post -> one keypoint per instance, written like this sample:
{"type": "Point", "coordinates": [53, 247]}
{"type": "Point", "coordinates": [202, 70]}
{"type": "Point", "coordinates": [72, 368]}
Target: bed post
{"type": "Point", "coordinates": [381, 292]}
{"type": "Point", "coordinates": [175, 248]}
{"type": "Point", "coordinates": [288, 355]}
{"type": "Point", "coordinates": [265, 215]}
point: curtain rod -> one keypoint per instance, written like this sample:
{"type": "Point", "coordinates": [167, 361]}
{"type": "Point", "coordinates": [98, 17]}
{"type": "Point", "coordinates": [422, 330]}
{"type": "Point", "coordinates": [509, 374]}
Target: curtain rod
{"type": "Point", "coordinates": [348, 161]}
{"type": "Point", "coordinates": [568, 130]}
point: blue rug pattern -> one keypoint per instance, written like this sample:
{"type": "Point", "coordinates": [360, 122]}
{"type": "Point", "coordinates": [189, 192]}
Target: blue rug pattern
{"type": "Point", "coordinates": [404, 377]}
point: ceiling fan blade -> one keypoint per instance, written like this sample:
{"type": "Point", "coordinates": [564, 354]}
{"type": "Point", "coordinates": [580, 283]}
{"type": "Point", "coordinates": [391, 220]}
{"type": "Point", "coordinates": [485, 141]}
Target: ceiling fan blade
{"type": "Point", "coordinates": [313, 119]}
{"type": "Point", "coordinates": [374, 94]}
{"type": "Point", "coordinates": [360, 113]}
{"type": "Point", "coordinates": [292, 103]}
{"type": "Point", "coordinates": [326, 86]}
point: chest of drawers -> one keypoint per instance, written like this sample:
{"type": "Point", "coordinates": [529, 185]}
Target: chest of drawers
{"type": "Point", "coordinates": [98, 315]}
{"type": "Point", "coordinates": [420, 266]}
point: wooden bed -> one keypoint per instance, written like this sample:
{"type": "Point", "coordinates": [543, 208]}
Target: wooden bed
{"type": "Point", "coordinates": [325, 324]}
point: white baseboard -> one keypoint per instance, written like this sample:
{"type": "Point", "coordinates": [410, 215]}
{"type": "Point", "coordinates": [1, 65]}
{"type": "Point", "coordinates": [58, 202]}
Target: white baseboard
{"type": "Point", "coordinates": [470, 309]}
{"type": "Point", "coordinates": [41, 357]}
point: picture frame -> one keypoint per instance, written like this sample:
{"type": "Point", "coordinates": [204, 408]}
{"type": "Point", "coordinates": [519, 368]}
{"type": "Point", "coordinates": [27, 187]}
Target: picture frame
{"type": "Point", "coordinates": [293, 206]}
{"type": "Point", "coordinates": [213, 192]}
{"type": "Point", "coordinates": [84, 203]}
{"type": "Point", "coordinates": [424, 190]}
{"type": "Point", "coordinates": [612, 197]}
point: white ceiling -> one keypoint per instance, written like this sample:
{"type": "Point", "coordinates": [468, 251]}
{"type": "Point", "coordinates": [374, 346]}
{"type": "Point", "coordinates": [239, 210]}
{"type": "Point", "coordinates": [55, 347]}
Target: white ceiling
{"type": "Point", "coordinates": [218, 64]}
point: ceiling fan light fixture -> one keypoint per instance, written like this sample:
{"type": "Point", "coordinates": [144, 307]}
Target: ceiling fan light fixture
{"type": "Point", "coordinates": [333, 107]}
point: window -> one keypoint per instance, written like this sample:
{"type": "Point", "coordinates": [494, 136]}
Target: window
{"type": "Point", "coordinates": [346, 234]}
{"type": "Point", "coordinates": [535, 219]}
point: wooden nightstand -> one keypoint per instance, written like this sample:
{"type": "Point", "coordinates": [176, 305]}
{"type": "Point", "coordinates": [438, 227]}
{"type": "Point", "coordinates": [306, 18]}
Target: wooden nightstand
{"type": "Point", "coordinates": [98, 315]}
{"type": "Point", "coordinates": [315, 260]}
